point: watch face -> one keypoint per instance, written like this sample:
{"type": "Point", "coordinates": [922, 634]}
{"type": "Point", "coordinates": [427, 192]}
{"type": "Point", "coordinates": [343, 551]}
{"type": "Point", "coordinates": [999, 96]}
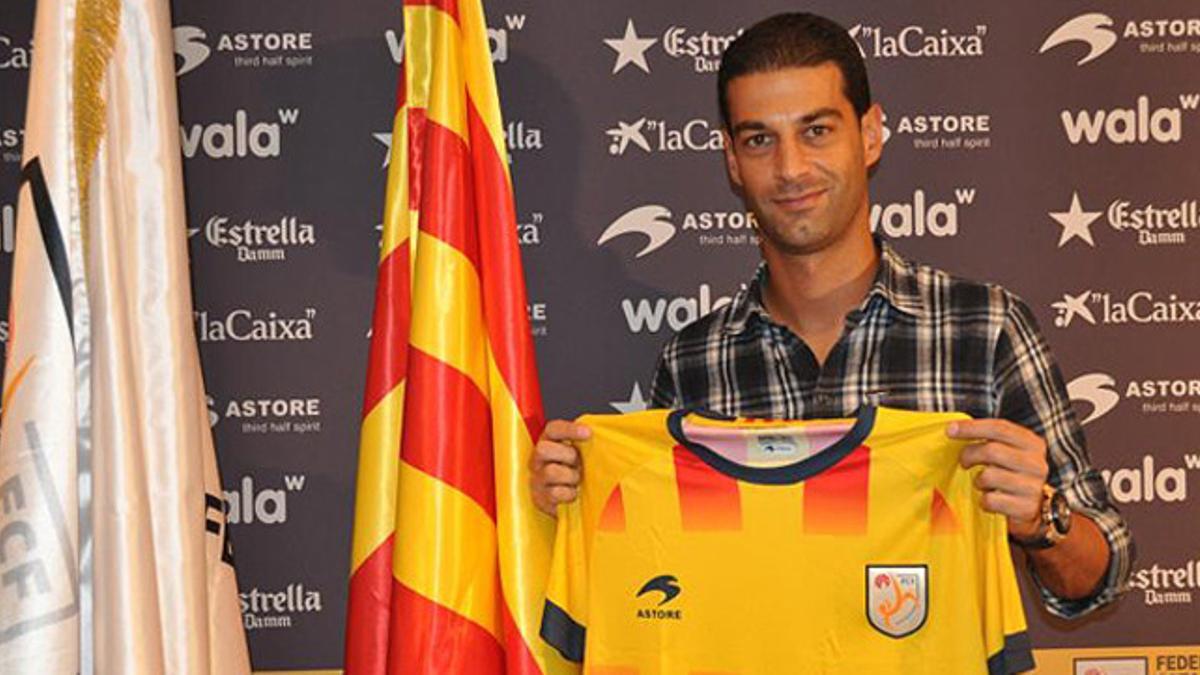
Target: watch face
{"type": "Point", "coordinates": [1060, 513]}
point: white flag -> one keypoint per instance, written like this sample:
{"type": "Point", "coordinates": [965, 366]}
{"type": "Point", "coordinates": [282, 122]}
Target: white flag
{"type": "Point", "coordinates": [113, 552]}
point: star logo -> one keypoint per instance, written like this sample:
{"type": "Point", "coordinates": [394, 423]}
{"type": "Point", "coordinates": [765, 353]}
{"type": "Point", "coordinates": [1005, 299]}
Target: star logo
{"type": "Point", "coordinates": [1072, 306]}
{"type": "Point", "coordinates": [630, 49]}
{"type": "Point", "coordinates": [1091, 29]}
{"type": "Point", "coordinates": [625, 134]}
{"type": "Point", "coordinates": [386, 139]}
{"type": "Point", "coordinates": [1076, 222]}
{"type": "Point", "coordinates": [636, 402]}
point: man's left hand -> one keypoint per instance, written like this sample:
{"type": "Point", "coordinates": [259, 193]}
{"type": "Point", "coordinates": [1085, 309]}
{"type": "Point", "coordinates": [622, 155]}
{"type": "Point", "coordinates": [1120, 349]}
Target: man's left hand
{"type": "Point", "coordinates": [1014, 470]}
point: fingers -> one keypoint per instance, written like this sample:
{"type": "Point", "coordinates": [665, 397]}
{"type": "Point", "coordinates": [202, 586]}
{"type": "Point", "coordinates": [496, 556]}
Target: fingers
{"type": "Point", "coordinates": [994, 479]}
{"type": "Point", "coordinates": [1001, 431]}
{"type": "Point", "coordinates": [555, 467]}
{"type": "Point", "coordinates": [1006, 457]}
{"type": "Point", "coordinates": [563, 431]}
{"type": "Point", "coordinates": [1016, 509]}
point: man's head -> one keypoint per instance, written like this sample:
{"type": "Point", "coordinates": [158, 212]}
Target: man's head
{"type": "Point", "coordinates": [792, 41]}
{"type": "Point", "coordinates": [801, 132]}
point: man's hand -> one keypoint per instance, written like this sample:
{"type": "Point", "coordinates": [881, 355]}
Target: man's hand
{"type": "Point", "coordinates": [554, 467]}
{"type": "Point", "coordinates": [1014, 473]}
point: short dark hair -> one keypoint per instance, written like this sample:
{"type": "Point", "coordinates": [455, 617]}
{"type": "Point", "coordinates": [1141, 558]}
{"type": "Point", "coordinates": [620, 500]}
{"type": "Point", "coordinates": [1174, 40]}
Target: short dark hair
{"type": "Point", "coordinates": [797, 39]}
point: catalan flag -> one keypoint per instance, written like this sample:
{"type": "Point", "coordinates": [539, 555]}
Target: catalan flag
{"type": "Point", "coordinates": [449, 557]}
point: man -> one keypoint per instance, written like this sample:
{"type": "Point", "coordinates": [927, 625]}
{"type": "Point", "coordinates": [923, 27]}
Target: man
{"type": "Point", "coordinates": [835, 319]}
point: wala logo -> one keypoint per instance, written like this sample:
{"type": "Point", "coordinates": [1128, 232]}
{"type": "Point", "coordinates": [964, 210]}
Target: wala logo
{"type": "Point", "coordinates": [1148, 483]}
{"type": "Point", "coordinates": [14, 56]}
{"type": "Point", "coordinates": [497, 39]}
{"type": "Point", "coordinates": [650, 314]}
{"type": "Point", "coordinates": [266, 506]}
{"type": "Point", "coordinates": [258, 242]}
{"type": "Point", "coordinates": [1140, 124]}
{"type": "Point", "coordinates": [917, 42]}
{"type": "Point", "coordinates": [278, 609]}
{"type": "Point", "coordinates": [921, 217]}
{"type": "Point", "coordinates": [1099, 34]}
{"type": "Point", "coordinates": [696, 135]}
{"type": "Point", "coordinates": [243, 325]}
{"type": "Point", "coordinates": [1139, 307]}
{"type": "Point", "coordinates": [239, 138]}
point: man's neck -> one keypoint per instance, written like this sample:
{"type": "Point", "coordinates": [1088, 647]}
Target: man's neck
{"type": "Point", "coordinates": [812, 293]}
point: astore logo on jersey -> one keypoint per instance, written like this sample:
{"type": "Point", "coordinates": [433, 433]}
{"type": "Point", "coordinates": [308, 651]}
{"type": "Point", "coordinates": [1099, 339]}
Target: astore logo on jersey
{"type": "Point", "coordinates": [917, 42]}
{"type": "Point", "coordinates": [258, 242]}
{"type": "Point", "coordinates": [1162, 585]}
{"type": "Point", "coordinates": [920, 216]}
{"type": "Point", "coordinates": [665, 588]}
{"type": "Point", "coordinates": [14, 55]}
{"type": "Point", "coordinates": [649, 315]}
{"type": "Point", "coordinates": [267, 49]}
{"type": "Point", "coordinates": [278, 609]}
{"type": "Point", "coordinates": [1140, 124]}
{"type": "Point", "coordinates": [238, 138]}
{"type": "Point", "coordinates": [1139, 307]}
{"type": "Point", "coordinates": [1099, 34]}
{"type": "Point", "coordinates": [245, 325]}
{"type": "Point", "coordinates": [657, 135]}
{"type": "Point", "coordinates": [252, 504]}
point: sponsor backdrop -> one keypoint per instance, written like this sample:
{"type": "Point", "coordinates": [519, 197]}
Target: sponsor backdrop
{"type": "Point", "coordinates": [1048, 147]}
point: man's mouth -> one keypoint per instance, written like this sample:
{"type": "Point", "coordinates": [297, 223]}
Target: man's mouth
{"type": "Point", "coordinates": [800, 201]}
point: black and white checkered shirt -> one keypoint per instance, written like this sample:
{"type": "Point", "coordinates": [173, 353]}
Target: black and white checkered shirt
{"type": "Point", "coordinates": [921, 340]}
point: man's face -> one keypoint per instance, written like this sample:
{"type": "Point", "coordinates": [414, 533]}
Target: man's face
{"type": "Point", "coordinates": [799, 155]}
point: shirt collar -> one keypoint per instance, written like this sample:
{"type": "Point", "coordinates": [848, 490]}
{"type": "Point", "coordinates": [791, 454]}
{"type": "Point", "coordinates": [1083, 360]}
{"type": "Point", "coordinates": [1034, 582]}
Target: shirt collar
{"type": "Point", "coordinates": [896, 283]}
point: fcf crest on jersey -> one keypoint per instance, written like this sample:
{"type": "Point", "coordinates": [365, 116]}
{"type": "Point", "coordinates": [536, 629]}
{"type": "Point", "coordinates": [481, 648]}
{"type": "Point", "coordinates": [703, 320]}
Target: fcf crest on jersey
{"type": "Point", "coordinates": [897, 598]}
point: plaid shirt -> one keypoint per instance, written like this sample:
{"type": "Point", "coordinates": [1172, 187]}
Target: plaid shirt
{"type": "Point", "coordinates": [921, 340]}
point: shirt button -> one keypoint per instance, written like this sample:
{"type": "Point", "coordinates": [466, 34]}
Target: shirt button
{"type": "Point", "coordinates": [822, 399]}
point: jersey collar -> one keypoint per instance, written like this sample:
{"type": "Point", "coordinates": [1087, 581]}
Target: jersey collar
{"type": "Point", "coordinates": [775, 475]}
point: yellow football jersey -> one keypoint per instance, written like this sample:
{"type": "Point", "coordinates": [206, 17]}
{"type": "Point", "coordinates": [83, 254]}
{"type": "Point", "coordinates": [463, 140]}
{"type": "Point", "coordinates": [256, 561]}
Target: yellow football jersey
{"type": "Point", "coordinates": [701, 545]}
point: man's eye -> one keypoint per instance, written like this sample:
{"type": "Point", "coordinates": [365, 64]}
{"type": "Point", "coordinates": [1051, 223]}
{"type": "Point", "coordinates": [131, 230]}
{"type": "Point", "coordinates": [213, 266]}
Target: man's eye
{"type": "Point", "coordinates": [817, 130]}
{"type": "Point", "coordinates": [756, 141]}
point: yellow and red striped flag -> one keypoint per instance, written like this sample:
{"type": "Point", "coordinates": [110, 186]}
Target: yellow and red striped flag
{"type": "Point", "coordinates": [449, 557]}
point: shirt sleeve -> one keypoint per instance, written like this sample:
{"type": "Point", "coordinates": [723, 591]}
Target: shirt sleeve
{"type": "Point", "coordinates": [1030, 391]}
{"type": "Point", "coordinates": [664, 392]}
{"type": "Point", "coordinates": [564, 615]}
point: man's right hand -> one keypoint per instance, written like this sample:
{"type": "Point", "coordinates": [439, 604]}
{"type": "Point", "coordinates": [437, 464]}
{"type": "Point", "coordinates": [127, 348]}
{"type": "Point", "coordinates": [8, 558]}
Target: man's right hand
{"type": "Point", "coordinates": [554, 467]}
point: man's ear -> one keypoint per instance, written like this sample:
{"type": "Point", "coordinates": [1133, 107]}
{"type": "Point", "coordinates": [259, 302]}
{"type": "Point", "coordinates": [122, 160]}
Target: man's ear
{"type": "Point", "coordinates": [731, 166]}
{"type": "Point", "coordinates": [872, 134]}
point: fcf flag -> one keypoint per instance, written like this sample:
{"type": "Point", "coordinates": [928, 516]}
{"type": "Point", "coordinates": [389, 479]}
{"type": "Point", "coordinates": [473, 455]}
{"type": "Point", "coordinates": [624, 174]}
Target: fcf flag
{"type": "Point", "coordinates": [113, 557]}
{"type": "Point", "coordinates": [449, 558]}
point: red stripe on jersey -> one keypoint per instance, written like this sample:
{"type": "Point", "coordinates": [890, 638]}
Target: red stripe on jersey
{"type": "Point", "coordinates": [835, 501]}
{"type": "Point", "coordinates": [708, 499]}
{"type": "Point", "coordinates": [941, 517]}
{"type": "Point", "coordinates": [612, 518]}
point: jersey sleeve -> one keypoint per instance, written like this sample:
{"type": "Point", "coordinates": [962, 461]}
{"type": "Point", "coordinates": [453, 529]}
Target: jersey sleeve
{"type": "Point", "coordinates": [1005, 630]}
{"type": "Point", "coordinates": [564, 616]}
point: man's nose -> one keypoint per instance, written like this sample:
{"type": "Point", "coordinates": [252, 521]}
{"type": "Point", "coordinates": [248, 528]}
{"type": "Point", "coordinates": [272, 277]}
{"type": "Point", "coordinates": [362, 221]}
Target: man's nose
{"type": "Point", "coordinates": [793, 161]}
